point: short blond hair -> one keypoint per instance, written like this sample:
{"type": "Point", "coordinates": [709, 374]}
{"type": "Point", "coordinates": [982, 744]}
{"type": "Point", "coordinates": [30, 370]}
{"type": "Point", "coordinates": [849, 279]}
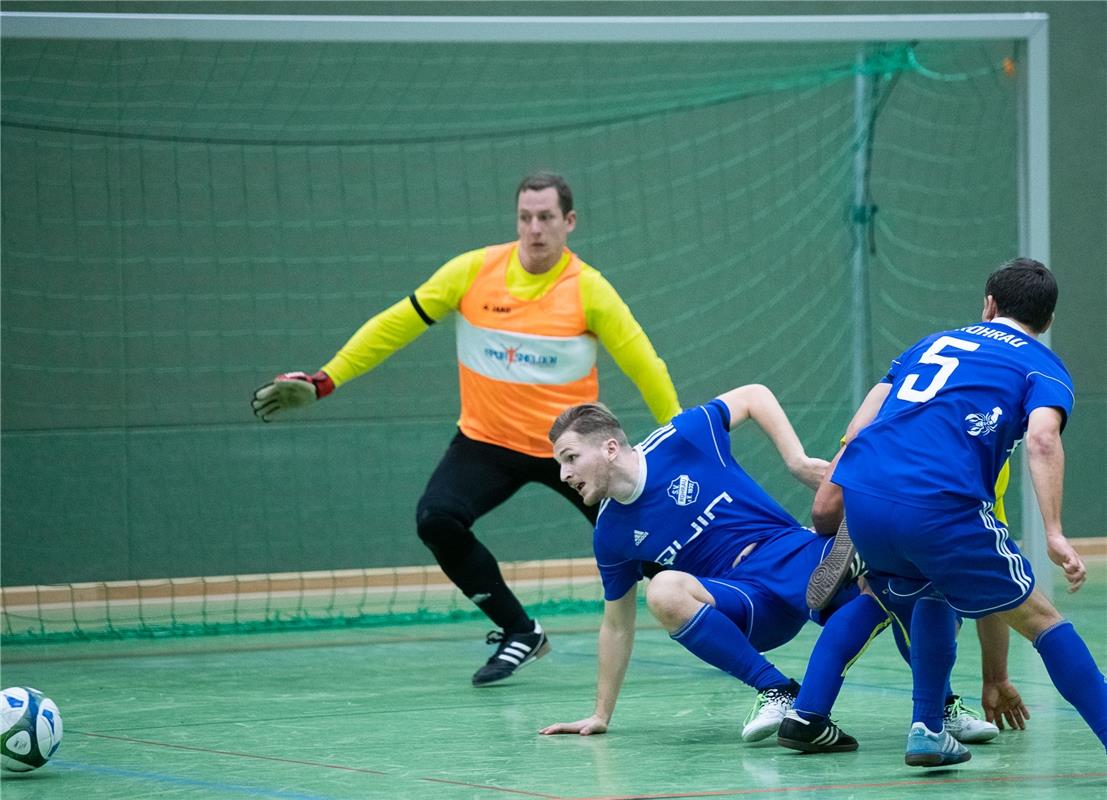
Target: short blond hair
{"type": "Point", "coordinates": [588, 419]}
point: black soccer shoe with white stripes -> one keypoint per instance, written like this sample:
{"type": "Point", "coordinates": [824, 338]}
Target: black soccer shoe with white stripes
{"type": "Point", "coordinates": [841, 565]}
{"type": "Point", "coordinates": [515, 651]}
{"type": "Point", "coordinates": [820, 735]}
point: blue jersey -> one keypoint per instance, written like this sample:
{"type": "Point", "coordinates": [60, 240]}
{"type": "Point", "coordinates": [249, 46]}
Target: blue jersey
{"type": "Point", "coordinates": [958, 406]}
{"type": "Point", "coordinates": [694, 508]}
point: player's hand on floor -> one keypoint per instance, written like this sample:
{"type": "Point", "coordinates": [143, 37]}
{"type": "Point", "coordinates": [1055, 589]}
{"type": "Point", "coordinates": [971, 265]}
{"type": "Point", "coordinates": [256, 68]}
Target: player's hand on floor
{"type": "Point", "coordinates": [1001, 702]}
{"type": "Point", "coordinates": [1063, 555]}
{"type": "Point", "coordinates": [585, 727]}
{"type": "Point", "coordinates": [809, 471]}
{"type": "Point", "coordinates": [290, 390]}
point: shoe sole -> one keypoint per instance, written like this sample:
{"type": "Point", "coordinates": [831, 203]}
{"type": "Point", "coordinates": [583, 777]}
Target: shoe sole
{"type": "Point", "coordinates": [541, 651]}
{"type": "Point", "coordinates": [975, 738]}
{"type": "Point", "coordinates": [809, 747]}
{"type": "Point", "coordinates": [833, 573]}
{"type": "Point", "coordinates": [759, 735]}
{"type": "Point", "coordinates": [935, 759]}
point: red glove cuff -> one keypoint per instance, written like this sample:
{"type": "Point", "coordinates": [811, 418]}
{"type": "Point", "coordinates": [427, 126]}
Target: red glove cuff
{"type": "Point", "coordinates": [322, 382]}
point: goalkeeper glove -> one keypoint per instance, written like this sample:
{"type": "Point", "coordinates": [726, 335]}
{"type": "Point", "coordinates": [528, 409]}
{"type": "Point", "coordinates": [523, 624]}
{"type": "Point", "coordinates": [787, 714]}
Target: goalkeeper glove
{"type": "Point", "coordinates": [290, 390]}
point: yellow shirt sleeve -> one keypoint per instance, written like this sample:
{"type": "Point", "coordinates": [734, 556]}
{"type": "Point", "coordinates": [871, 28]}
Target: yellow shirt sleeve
{"type": "Point", "coordinates": [403, 322]}
{"type": "Point", "coordinates": [608, 317]}
{"type": "Point", "coordinates": [1001, 489]}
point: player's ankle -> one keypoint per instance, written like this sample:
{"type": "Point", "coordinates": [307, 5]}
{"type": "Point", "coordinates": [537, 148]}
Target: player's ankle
{"type": "Point", "coordinates": [811, 716]}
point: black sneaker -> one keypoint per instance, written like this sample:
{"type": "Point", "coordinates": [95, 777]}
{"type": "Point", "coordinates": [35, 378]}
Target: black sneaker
{"type": "Point", "coordinates": [841, 565]}
{"type": "Point", "coordinates": [813, 736]}
{"type": "Point", "coordinates": [514, 651]}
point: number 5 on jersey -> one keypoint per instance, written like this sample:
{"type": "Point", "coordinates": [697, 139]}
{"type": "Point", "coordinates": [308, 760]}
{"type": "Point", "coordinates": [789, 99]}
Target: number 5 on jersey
{"type": "Point", "coordinates": [933, 355]}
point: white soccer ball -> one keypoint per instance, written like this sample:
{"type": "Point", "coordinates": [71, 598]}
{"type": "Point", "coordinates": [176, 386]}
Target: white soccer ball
{"type": "Point", "coordinates": [30, 729]}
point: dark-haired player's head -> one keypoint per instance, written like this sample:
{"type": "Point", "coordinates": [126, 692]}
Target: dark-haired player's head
{"type": "Point", "coordinates": [1024, 290]}
{"type": "Point", "coordinates": [538, 181]}
{"type": "Point", "coordinates": [544, 219]}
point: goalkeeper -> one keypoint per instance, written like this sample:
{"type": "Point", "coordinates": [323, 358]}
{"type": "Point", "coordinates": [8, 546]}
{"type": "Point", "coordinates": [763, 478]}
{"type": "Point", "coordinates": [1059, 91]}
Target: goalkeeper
{"type": "Point", "coordinates": [530, 314]}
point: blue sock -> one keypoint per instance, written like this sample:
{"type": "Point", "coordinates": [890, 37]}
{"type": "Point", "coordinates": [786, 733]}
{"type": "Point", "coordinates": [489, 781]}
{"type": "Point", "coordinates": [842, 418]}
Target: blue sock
{"type": "Point", "coordinates": [713, 637]}
{"type": "Point", "coordinates": [1074, 672]}
{"type": "Point", "coordinates": [905, 651]}
{"type": "Point", "coordinates": [844, 637]}
{"type": "Point", "coordinates": [901, 642]}
{"type": "Point", "coordinates": [933, 651]}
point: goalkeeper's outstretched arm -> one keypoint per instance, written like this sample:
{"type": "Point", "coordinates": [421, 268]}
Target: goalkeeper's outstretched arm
{"type": "Point", "coordinates": [386, 333]}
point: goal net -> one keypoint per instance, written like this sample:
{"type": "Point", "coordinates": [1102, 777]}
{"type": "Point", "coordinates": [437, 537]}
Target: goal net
{"type": "Point", "coordinates": [185, 217]}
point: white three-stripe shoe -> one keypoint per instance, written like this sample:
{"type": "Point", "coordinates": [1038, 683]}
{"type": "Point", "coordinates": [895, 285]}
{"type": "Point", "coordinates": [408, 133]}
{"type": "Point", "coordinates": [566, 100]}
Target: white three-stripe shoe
{"type": "Point", "coordinates": [514, 652]}
{"type": "Point", "coordinates": [925, 748]}
{"type": "Point", "coordinates": [965, 725]}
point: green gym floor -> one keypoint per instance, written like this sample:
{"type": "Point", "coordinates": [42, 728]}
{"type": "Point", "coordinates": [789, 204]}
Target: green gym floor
{"type": "Point", "coordinates": [389, 713]}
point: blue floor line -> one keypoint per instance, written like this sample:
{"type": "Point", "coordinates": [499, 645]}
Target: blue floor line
{"type": "Point", "coordinates": [173, 780]}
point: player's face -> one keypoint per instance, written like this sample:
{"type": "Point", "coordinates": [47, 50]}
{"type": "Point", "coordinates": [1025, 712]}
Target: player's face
{"type": "Point", "coordinates": [585, 464]}
{"type": "Point", "coordinates": [543, 230]}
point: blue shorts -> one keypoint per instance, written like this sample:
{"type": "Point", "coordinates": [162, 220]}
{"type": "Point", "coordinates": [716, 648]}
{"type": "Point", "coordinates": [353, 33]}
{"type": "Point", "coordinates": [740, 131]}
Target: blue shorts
{"type": "Point", "coordinates": [961, 553]}
{"type": "Point", "coordinates": [766, 594]}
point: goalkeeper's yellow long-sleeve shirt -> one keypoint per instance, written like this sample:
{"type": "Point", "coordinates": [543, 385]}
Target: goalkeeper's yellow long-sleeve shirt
{"type": "Point", "coordinates": [526, 343]}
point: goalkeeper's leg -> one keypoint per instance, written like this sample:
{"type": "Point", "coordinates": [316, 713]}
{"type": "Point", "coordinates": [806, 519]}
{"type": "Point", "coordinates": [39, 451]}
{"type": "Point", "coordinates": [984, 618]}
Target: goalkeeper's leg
{"type": "Point", "coordinates": [471, 479]}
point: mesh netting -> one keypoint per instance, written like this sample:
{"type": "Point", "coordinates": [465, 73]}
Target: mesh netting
{"type": "Point", "coordinates": [182, 220]}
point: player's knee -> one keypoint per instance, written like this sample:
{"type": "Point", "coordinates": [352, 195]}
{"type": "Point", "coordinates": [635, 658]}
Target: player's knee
{"type": "Point", "coordinates": [826, 512]}
{"type": "Point", "coordinates": [1036, 614]}
{"type": "Point", "coordinates": [443, 533]}
{"type": "Point", "coordinates": [669, 599]}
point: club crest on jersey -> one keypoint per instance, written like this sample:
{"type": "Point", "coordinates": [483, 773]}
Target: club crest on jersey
{"type": "Point", "coordinates": [684, 490]}
{"type": "Point", "coordinates": [640, 536]}
{"type": "Point", "coordinates": [983, 424]}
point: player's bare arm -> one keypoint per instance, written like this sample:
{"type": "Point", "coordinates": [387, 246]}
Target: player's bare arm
{"type": "Point", "coordinates": [999, 697]}
{"type": "Point", "coordinates": [758, 403]}
{"type": "Point", "coordinates": [1046, 458]}
{"type": "Point", "coordinates": [867, 411]}
{"type": "Point", "coordinates": [827, 510]}
{"type": "Point", "coordinates": [615, 644]}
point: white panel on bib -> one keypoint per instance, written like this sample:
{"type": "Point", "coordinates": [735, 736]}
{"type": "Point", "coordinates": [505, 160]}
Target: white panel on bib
{"type": "Point", "coordinates": [524, 358]}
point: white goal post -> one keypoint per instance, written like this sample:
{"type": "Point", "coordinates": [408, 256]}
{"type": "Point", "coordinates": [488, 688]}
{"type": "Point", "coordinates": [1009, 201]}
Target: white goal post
{"type": "Point", "coordinates": [1029, 31]}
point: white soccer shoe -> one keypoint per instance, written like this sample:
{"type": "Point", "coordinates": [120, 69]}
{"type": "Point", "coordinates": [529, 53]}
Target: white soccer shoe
{"type": "Point", "coordinates": [767, 714]}
{"type": "Point", "coordinates": [965, 725]}
{"type": "Point", "coordinates": [925, 748]}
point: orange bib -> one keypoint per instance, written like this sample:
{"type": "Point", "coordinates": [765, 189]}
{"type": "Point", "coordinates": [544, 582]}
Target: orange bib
{"type": "Point", "coordinates": [521, 363]}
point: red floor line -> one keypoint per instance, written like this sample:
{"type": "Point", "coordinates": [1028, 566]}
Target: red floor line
{"type": "Point", "coordinates": [847, 786]}
{"type": "Point", "coordinates": [664, 796]}
{"type": "Point", "coordinates": [495, 788]}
